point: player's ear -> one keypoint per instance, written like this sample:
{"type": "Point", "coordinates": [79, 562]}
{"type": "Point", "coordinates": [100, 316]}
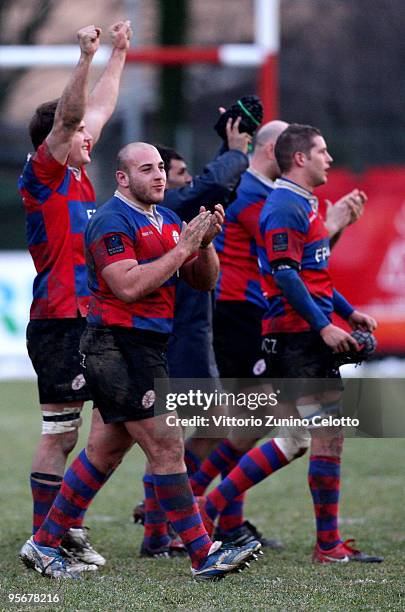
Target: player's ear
{"type": "Point", "coordinates": [300, 158]}
{"type": "Point", "coordinates": [122, 178]}
{"type": "Point", "coordinates": [269, 148]}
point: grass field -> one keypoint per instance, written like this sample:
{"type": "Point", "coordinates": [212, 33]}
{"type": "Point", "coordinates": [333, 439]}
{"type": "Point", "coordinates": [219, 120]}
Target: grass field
{"type": "Point", "coordinates": [372, 510]}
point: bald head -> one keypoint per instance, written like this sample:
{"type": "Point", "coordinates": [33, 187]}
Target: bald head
{"type": "Point", "coordinates": [133, 153]}
{"type": "Point", "coordinates": [270, 131]}
{"type": "Point", "coordinates": [263, 159]}
{"type": "Point", "coordinates": [141, 173]}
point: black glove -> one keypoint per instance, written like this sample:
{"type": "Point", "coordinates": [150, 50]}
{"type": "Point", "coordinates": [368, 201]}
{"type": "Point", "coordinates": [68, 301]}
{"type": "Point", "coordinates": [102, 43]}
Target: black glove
{"type": "Point", "coordinates": [368, 345]}
{"type": "Point", "coordinates": [249, 108]}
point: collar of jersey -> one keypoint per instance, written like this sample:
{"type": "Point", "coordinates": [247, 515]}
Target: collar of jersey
{"type": "Point", "coordinates": [154, 215]}
{"type": "Point", "coordinates": [261, 177]}
{"type": "Point", "coordinates": [283, 183]}
{"type": "Point", "coordinates": [77, 173]}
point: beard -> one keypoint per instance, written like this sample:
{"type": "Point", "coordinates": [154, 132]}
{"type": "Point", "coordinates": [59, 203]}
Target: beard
{"type": "Point", "coordinates": [144, 195]}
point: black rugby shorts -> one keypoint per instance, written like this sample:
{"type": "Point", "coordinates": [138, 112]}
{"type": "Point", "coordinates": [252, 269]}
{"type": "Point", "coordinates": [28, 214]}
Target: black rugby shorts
{"type": "Point", "coordinates": [120, 366]}
{"type": "Point", "coordinates": [303, 356]}
{"type": "Point", "coordinates": [53, 347]}
{"type": "Point", "coordinates": [237, 341]}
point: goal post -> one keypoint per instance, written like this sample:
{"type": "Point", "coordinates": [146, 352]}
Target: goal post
{"type": "Point", "coordinates": [242, 55]}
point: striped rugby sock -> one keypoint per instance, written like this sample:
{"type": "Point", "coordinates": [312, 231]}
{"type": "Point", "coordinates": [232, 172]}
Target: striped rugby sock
{"type": "Point", "coordinates": [232, 515]}
{"type": "Point", "coordinates": [220, 461]}
{"type": "Point", "coordinates": [80, 484]}
{"type": "Point", "coordinates": [254, 467]}
{"type": "Point", "coordinates": [324, 482]}
{"type": "Point", "coordinates": [155, 525]}
{"type": "Point", "coordinates": [176, 498]}
{"type": "Point", "coordinates": [192, 461]}
{"type": "Point", "coordinates": [43, 496]}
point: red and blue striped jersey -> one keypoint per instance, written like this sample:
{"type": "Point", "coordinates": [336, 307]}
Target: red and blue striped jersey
{"type": "Point", "coordinates": [58, 203]}
{"type": "Point", "coordinates": [293, 234]}
{"type": "Point", "coordinates": [120, 231]}
{"type": "Point", "coordinates": [236, 246]}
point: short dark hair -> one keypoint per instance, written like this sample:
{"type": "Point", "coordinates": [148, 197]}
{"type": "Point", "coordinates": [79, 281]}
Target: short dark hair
{"type": "Point", "coordinates": [167, 154]}
{"type": "Point", "coordinates": [42, 122]}
{"type": "Point", "coordinates": [295, 138]}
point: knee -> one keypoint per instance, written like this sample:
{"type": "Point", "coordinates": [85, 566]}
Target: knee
{"type": "Point", "coordinates": [69, 441]}
{"type": "Point", "coordinates": [329, 443]}
{"type": "Point", "coordinates": [170, 457]}
{"type": "Point", "coordinates": [296, 445]}
{"type": "Point", "coordinates": [106, 454]}
{"type": "Point", "coordinates": [61, 428]}
{"type": "Point", "coordinates": [105, 460]}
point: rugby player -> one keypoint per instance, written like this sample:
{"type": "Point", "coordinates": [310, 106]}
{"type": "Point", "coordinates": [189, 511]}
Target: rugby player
{"type": "Point", "coordinates": [59, 200]}
{"type": "Point", "coordinates": [240, 306]}
{"type": "Point", "coordinates": [299, 338]}
{"type": "Point", "coordinates": [135, 252]}
{"type": "Point", "coordinates": [190, 352]}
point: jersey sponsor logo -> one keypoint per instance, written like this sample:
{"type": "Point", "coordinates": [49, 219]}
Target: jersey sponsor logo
{"type": "Point", "coordinates": [322, 254]}
{"type": "Point", "coordinates": [148, 233]}
{"type": "Point", "coordinates": [148, 399]}
{"type": "Point", "coordinates": [78, 382]}
{"type": "Point", "coordinates": [176, 236]}
{"type": "Point", "coordinates": [269, 345]}
{"type": "Point", "coordinates": [280, 242]}
{"type": "Point", "coordinates": [114, 244]}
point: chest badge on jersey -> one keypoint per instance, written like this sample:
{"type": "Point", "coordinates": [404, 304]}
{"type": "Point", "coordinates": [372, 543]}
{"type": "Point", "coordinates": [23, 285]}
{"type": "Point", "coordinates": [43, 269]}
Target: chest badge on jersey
{"type": "Point", "coordinates": [176, 236]}
{"type": "Point", "coordinates": [114, 244]}
{"type": "Point", "coordinates": [280, 242]}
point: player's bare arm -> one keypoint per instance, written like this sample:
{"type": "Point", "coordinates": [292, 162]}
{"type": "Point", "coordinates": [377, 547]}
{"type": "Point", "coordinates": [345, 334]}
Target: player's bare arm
{"type": "Point", "coordinates": [72, 104]}
{"type": "Point", "coordinates": [362, 321]}
{"type": "Point", "coordinates": [130, 281]}
{"type": "Point", "coordinates": [344, 212]}
{"type": "Point", "coordinates": [337, 339]}
{"type": "Point", "coordinates": [103, 98]}
{"type": "Point", "coordinates": [202, 272]}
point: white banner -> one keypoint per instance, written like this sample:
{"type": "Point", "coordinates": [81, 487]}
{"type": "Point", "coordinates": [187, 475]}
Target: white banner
{"type": "Point", "coordinates": [17, 273]}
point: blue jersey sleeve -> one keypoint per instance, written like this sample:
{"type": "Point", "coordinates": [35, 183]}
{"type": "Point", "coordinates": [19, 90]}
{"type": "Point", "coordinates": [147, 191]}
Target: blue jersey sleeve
{"type": "Point", "coordinates": [341, 306]}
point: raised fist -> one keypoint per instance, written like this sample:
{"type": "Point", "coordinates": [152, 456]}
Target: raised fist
{"type": "Point", "coordinates": [120, 34]}
{"type": "Point", "coordinates": [89, 39]}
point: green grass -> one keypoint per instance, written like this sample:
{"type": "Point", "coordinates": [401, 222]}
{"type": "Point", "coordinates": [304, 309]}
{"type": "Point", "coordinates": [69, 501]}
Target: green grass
{"type": "Point", "coordinates": [372, 510]}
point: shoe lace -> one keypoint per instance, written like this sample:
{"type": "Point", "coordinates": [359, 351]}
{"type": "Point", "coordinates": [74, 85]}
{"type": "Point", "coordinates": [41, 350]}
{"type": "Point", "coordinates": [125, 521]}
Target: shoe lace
{"type": "Point", "coordinates": [58, 558]}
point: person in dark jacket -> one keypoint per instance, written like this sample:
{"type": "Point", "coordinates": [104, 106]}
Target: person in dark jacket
{"type": "Point", "coordinates": [190, 352]}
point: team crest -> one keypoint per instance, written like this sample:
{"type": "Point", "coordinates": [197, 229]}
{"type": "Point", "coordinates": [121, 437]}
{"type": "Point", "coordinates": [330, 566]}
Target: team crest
{"type": "Point", "coordinates": [148, 399]}
{"type": "Point", "coordinates": [78, 382]}
{"type": "Point", "coordinates": [176, 236]}
{"type": "Point", "coordinates": [259, 367]}
{"type": "Point", "coordinates": [280, 242]}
